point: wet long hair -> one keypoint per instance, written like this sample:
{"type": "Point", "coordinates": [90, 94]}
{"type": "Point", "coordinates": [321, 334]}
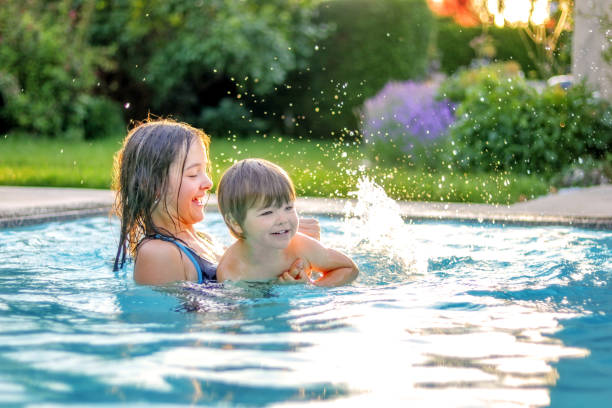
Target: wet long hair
{"type": "Point", "coordinates": [141, 178]}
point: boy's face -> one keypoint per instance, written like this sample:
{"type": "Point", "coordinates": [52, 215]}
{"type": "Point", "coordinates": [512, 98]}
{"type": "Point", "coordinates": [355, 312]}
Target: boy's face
{"type": "Point", "coordinates": [272, 227]}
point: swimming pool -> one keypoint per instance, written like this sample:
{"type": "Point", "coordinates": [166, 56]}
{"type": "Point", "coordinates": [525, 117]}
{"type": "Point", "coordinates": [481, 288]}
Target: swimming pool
{"type": "Point", "coordinates": [443, 314]}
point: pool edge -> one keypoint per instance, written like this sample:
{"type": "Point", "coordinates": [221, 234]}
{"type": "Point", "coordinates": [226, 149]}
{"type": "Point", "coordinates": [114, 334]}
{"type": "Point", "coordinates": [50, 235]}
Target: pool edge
{"type": "Point", "coordinates": [585, 208]}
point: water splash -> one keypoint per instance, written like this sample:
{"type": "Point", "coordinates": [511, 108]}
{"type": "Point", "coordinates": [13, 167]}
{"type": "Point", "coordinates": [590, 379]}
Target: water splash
{"type": "Point", "coordinates": [373, 225]}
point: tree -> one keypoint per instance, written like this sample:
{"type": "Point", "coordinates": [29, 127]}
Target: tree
{"type": "Point", "coordinates": [178, 56]}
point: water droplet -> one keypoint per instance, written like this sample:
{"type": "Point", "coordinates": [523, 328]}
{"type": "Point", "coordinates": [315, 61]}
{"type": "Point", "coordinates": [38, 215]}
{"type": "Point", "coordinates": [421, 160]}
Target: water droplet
{"type": "Point", "coordinates": [316, 47]}
{"type": "Point", "coordinates": [126, 105]}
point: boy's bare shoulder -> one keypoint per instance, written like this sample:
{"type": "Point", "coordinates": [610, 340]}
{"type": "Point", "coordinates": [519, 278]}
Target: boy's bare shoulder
{"type": "Point", "coordinates": [230, 265]}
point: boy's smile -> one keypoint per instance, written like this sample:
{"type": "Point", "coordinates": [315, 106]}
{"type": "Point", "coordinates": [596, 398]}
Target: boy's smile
{"type": "Point", "coordinates": [270, 226]}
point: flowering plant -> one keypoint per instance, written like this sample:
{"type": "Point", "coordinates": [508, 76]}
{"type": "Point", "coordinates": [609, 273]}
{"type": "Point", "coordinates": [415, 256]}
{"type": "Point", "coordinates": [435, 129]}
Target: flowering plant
{"type": "Point", "coordinates": [405, 115]}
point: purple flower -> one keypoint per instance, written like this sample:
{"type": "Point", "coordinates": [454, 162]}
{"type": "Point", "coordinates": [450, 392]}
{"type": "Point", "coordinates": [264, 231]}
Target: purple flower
{"type": "Point", "coordinates": [405, 113]}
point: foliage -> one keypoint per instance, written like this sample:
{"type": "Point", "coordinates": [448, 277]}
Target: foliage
{"type": "Point", "coordinates": [508, 125]}
{"type": "Point", "coordinates": [102, 117]}
{"type": "Point", "coordinates": [322, 168]}
{"type": "Point", "coordinates": [230, 117]}
{"type": "Point", "coordinates": [47, 67]}
{"type": "Point", "coordinates": [181, 55]}
{"type": "Point", "coordinates": [456, 87]}
{"type": "Point", "coordinates": [372, 42]}
{"type": "Point", "coordinates": [403, 119]}
{"type": "Point", "coordinates": [454, 49]}
{"type": "Point", "coordinates": [543, 35]}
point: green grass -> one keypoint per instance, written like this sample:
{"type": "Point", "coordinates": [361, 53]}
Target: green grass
{"type": "Point", "coordinates": [318, 168]}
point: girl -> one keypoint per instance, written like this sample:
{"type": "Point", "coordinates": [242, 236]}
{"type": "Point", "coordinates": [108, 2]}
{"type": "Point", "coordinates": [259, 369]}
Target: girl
{"type": "Point", "coordinates": [162, 181]}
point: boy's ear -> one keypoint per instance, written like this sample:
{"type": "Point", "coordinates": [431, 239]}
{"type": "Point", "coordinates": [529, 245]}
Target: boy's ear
{"type": "Point", "coordinates": [233, 223]}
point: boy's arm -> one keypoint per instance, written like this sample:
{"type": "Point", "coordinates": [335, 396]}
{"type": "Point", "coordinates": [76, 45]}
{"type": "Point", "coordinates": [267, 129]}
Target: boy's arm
{"type": "Point", "coordinates": [310, 227]}
{"type": "Point", "coordinates": [337, 268]}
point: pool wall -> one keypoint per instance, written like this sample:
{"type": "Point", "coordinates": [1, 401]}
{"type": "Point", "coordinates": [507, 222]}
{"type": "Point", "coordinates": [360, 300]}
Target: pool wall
{"type": "Point", "coordinates": [586, 207]}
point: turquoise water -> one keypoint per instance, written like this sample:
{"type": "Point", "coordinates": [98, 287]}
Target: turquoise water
{"type": "Point", "coordinates": [443, 314]}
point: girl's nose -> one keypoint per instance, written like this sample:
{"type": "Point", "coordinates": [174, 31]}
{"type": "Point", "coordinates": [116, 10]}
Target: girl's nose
{"type": "Point", "coordinates": [206, 183]}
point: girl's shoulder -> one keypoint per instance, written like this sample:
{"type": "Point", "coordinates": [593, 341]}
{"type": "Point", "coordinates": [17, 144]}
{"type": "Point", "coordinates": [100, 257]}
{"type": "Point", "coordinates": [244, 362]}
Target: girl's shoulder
{"type": "Point", "coordinates": [158, 262]}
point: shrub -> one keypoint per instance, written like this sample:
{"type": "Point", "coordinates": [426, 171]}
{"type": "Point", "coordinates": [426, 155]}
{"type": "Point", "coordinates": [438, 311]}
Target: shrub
{"type": "Point", "coordinates": [46, 66]}
{"type": "Point", "coordinates": [508, 125]}
{"type": "Point", "coordinates": [180, 55]}
{"type": "Point", "coordinates": [456, 87]}
{"type": "Point", "coordinates": [103, 117]}
{"type": "Point", "coordinates": [229, 117]}
{"type": "Point", "coordinates": [405, 119]}
{"type": "Point", "coordinates": [454, 50]}
{"type": "Point", "coordinates": [372, 42]}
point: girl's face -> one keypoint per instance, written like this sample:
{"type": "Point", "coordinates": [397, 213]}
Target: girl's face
{"type": "Point", "coordinates": [186, 195]}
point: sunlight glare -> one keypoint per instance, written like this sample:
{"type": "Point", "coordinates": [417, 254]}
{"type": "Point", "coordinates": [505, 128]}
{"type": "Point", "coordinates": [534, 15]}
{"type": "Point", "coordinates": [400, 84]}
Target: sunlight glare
{"type": "Point", "coordinates": [517, 11]}
{"type": "Point", "coordinates": [540, 12]}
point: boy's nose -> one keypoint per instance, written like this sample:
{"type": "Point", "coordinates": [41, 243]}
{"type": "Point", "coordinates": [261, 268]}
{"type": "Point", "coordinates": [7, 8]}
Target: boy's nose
{"type": "Point", "coordinates": [282, 218]}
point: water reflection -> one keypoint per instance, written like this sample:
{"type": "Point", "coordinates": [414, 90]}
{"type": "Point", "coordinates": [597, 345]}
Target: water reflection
{"type": "Point", "coordinates": [442, 315]}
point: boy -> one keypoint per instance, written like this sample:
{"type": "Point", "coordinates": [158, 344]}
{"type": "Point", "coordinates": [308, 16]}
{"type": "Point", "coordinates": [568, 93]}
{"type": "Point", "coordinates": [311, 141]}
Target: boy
{"type": "Point", "coordinates": [256, 199]}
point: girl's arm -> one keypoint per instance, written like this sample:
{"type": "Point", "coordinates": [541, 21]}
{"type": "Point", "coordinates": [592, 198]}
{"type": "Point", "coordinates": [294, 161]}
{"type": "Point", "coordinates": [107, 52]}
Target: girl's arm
{"type": "Point", "coordinates": [337, 268]}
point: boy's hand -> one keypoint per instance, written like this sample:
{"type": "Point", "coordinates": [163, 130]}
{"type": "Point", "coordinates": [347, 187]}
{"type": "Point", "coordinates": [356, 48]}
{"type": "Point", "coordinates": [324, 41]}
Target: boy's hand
{"type": "Point", "coordinates": [310, 227]}
{"type": "Point", "coordinates": [295, 274]}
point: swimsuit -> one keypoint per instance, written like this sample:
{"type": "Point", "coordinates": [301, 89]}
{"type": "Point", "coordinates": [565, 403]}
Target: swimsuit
{"type": "Point", "coordinates": [207, 271]}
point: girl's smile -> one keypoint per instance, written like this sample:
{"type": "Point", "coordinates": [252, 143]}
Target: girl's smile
{"type": "Point", "coordinates": [188, 188]}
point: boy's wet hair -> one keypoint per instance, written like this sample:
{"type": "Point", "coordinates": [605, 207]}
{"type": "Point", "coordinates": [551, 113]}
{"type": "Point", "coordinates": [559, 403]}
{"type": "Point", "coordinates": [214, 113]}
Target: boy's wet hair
{"type": "Point", "coordinates": [140, 176]}
{"type": "Point", "coordinates": [252, 183]}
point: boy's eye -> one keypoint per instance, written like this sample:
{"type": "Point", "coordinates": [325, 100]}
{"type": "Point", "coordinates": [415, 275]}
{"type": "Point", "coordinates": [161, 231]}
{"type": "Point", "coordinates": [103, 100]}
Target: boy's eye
{"type": "Point", "coordinates": [289, 207]}
{"type": "Point", "coordinates": [266, 213]}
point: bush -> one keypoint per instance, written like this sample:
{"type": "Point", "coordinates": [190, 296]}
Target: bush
{"type": "Point", "coordinates": [229, 117]}
{"type": "Point", "coordinates": [372, 43]}
{"type": "Point", "coordinates": [103, 117]}
{"type": "Point", "coordinates": [508, 125]}
{"type": "Point", "coordinates": [456, 87]}
{"type": "Point", "coordinates": [455, 52]}
{"type": "Point", "coordinates": [404, 120]}
{"type": "Point", "coordinates": [46, 66]}
{"type": "Point", "coordinates": [180, 55]}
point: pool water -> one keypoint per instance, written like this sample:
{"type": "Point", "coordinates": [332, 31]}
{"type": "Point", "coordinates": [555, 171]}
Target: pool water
{"type": "Point", "coordinates": [442, 314]}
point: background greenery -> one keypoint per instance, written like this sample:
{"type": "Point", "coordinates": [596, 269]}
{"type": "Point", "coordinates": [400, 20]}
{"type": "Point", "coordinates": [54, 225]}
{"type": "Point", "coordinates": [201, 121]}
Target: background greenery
{"type": "Point", "coordinates": [455, 50]}
{"type": "Point", "coordinates": [74, 73]}
{"type": "Point", "coordinates": [368, 44]}
{"type": "Point", "coordinates": [321, 168]}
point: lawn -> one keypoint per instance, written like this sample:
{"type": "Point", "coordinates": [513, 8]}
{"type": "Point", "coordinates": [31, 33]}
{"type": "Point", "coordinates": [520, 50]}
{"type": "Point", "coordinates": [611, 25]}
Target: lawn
{"type": "Point", "coordinates": [318, 168]}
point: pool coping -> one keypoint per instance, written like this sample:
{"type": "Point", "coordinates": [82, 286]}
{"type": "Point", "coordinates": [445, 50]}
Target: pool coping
{"type": "Point", "coordinates": [585, 207]}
